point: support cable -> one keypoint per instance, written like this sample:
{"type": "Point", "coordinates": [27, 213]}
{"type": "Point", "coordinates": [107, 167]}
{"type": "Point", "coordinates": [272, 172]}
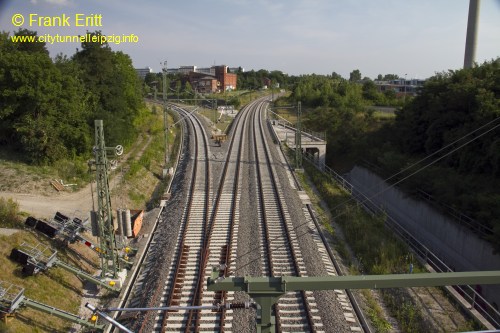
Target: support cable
{"type": "Point", "coordinates": [252, 250]}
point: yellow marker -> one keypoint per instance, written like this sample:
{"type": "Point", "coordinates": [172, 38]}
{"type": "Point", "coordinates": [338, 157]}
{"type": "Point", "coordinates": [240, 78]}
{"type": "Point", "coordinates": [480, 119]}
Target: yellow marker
{"type": "Point", "coordinates": [127, 249]}
{"type": "Point", "coordinates": [94, 318]}
{"type": "Point", "coordinates": [112, 283]}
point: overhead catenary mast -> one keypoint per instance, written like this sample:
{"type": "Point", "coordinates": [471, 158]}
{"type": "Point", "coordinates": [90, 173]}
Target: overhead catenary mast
{"type": "Point", "coordinates": [103, 217]}
{"type": "Point", "coordinates": [165, 115]}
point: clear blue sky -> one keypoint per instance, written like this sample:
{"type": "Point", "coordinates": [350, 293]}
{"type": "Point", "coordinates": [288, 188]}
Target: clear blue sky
{"type": "Point", "coordinates": [414, 37]}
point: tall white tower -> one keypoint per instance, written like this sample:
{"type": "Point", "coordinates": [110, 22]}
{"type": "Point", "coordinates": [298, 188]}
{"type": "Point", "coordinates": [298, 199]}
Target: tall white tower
{"type": "Point", "coordinates": [471, 41]}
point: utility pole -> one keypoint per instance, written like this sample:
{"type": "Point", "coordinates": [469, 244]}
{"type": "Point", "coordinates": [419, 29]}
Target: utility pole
{"type": "Point", "coordinates": [471, 39]}
{"type": "Point", "coordinates": [165, 114]}
{"type": "Point", "coordinates": [298, 139]}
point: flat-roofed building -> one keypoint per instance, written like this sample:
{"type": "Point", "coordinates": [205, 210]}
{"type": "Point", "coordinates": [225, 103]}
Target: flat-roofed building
{"type": "Point", "coordinates": [142, 72]}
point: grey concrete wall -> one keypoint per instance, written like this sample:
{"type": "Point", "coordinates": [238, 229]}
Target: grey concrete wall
{"type": "Point", "coordinates": [456, 245]}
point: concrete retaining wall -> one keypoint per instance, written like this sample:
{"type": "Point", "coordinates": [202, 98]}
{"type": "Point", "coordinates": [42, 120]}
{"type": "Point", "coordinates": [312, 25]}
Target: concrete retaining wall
{"type": "Point", "coordinates": [456, 245]}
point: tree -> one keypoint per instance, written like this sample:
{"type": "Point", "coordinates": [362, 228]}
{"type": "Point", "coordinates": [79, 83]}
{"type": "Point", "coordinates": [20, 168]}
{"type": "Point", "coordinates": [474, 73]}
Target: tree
{"type": "Point", "coordinates": [234, 101]}
{"type": "Point", "coordinates": [355, 76]}
{"type": "Point", "coordinates": [42, 105]}
{"type": "Point", "coordinates": [390, 77]}
{"type": "Point", "coordinates": [450, 107]}
{"type": "Point", "coordinates": [336, 76]}
{"type": "Point", "coordinates": [115, 89]}
{"type": "Point", "coordinates": [188, 90]}
{"type": "Point", "coordinates": [370, 90]}
{"type": "Point", "coordinates": [32, 47]}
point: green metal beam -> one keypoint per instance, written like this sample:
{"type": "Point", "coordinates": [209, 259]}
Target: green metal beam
{"type": "Point", "coordinates": [86, 276]}
{"type": "Point", "coordinates": [267, 290]}
{"type": "Point", "coordinates": [60, 313]}
{"type": "Point", "coordinates": [285, 284]}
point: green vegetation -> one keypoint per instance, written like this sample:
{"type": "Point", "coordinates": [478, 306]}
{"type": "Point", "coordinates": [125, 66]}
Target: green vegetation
{"type": "Point", "coordinates": [221, 123]}
{"type": "Point", "coordinates": [9, 213]}
{"type": "Point", "coordinates": [48, 107]}
{"type": "Point", "coordinates": [144, 167]}
{"type": "Point", "coordinates": [375, 252]}
{"type": "Point", "coordinates": [449, 106]}
{"type": "Point", "coordinates": [375, 313]}
{"type": "Point", "coordinates": [255, 80]}
{"type": "Point", "coordinates": [341, 109]}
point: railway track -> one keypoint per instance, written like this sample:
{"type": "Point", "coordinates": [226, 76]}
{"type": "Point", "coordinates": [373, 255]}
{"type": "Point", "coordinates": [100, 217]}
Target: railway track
{"type": "Point", "coordinates": [184, 277]}
{"type": "Point", "coordinates": [280, 248]}
{"type": "Point", "coordinates": [208, 236]}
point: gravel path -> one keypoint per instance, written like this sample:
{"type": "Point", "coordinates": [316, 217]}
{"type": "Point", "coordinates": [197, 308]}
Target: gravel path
{"type": "Point", "coordinates": [45, 204]}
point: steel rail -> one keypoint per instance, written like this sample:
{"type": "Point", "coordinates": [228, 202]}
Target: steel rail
{"type": "Point", "coordinates": [225, 256]}
{"type": "Point", "coordinates": [267, 160]}
{"type": "Point", "coordinates": [182, 247]}
{"type": "Point", "coordinates": [352, 298]}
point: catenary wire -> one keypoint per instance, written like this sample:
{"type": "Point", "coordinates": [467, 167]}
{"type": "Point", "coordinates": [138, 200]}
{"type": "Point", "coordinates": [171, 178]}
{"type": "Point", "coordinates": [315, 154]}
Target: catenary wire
{"type": "Point", "coordinates": [392, 185]}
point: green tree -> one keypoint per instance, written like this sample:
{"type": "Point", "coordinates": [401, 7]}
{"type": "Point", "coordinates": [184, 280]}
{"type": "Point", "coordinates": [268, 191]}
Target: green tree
{"type": "Point", "coordinates": [115, 88]}
{"type": "Point", "coordinates": [188, 90]}
{"type": "Point", "coordinates": [370, 91]}
{"type": "Point", "coordinates": [31, 47]}
{"type": "Point", "coordinates": [234, 101]}
{"type": "Point", "coordinates": [41, 105]}
{"type": "Point", "coordinates": [355, 76]}
{"type": "Point", "coordinates": [450, 106]}
{"type": "Point", "coordinates": [390, 77]}
{"type": "Point", "coordinates": [336, 76]}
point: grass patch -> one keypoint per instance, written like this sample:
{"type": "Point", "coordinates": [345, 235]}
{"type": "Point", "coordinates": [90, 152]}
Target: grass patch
{"type": "Point", "coordinates": [143, 176]}
{"type": "Point", "coordinates": [221, 122]}
{"type": "Point", "coordinates": [142, 180]}
{"type": "Point", "coordinates": [376, 252]}
{"type": "Point", "coordinates": [380, 115]}
{"type": "Point", "coordinates": [287, 114]}
{"type": "Point", "coordinates": [55, 287]}
{"type": "Point", "coordinates": [375, 313]}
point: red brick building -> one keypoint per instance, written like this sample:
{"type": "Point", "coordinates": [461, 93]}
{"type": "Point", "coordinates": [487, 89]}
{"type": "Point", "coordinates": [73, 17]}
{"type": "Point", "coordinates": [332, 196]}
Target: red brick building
{"type": "Point", "coordinates": [227, 80]}
{"type": "Point", "coordinates": [203, 83]}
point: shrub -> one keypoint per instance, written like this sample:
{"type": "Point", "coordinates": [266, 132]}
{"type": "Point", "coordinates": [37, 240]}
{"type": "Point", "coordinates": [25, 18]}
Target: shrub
{"type": "Point", "coordinates": [9, 213]}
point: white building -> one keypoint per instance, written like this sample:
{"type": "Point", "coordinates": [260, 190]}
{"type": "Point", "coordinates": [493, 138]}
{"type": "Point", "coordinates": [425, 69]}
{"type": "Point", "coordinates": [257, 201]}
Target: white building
{"type": "Point", "coordinates": [143, 71]}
